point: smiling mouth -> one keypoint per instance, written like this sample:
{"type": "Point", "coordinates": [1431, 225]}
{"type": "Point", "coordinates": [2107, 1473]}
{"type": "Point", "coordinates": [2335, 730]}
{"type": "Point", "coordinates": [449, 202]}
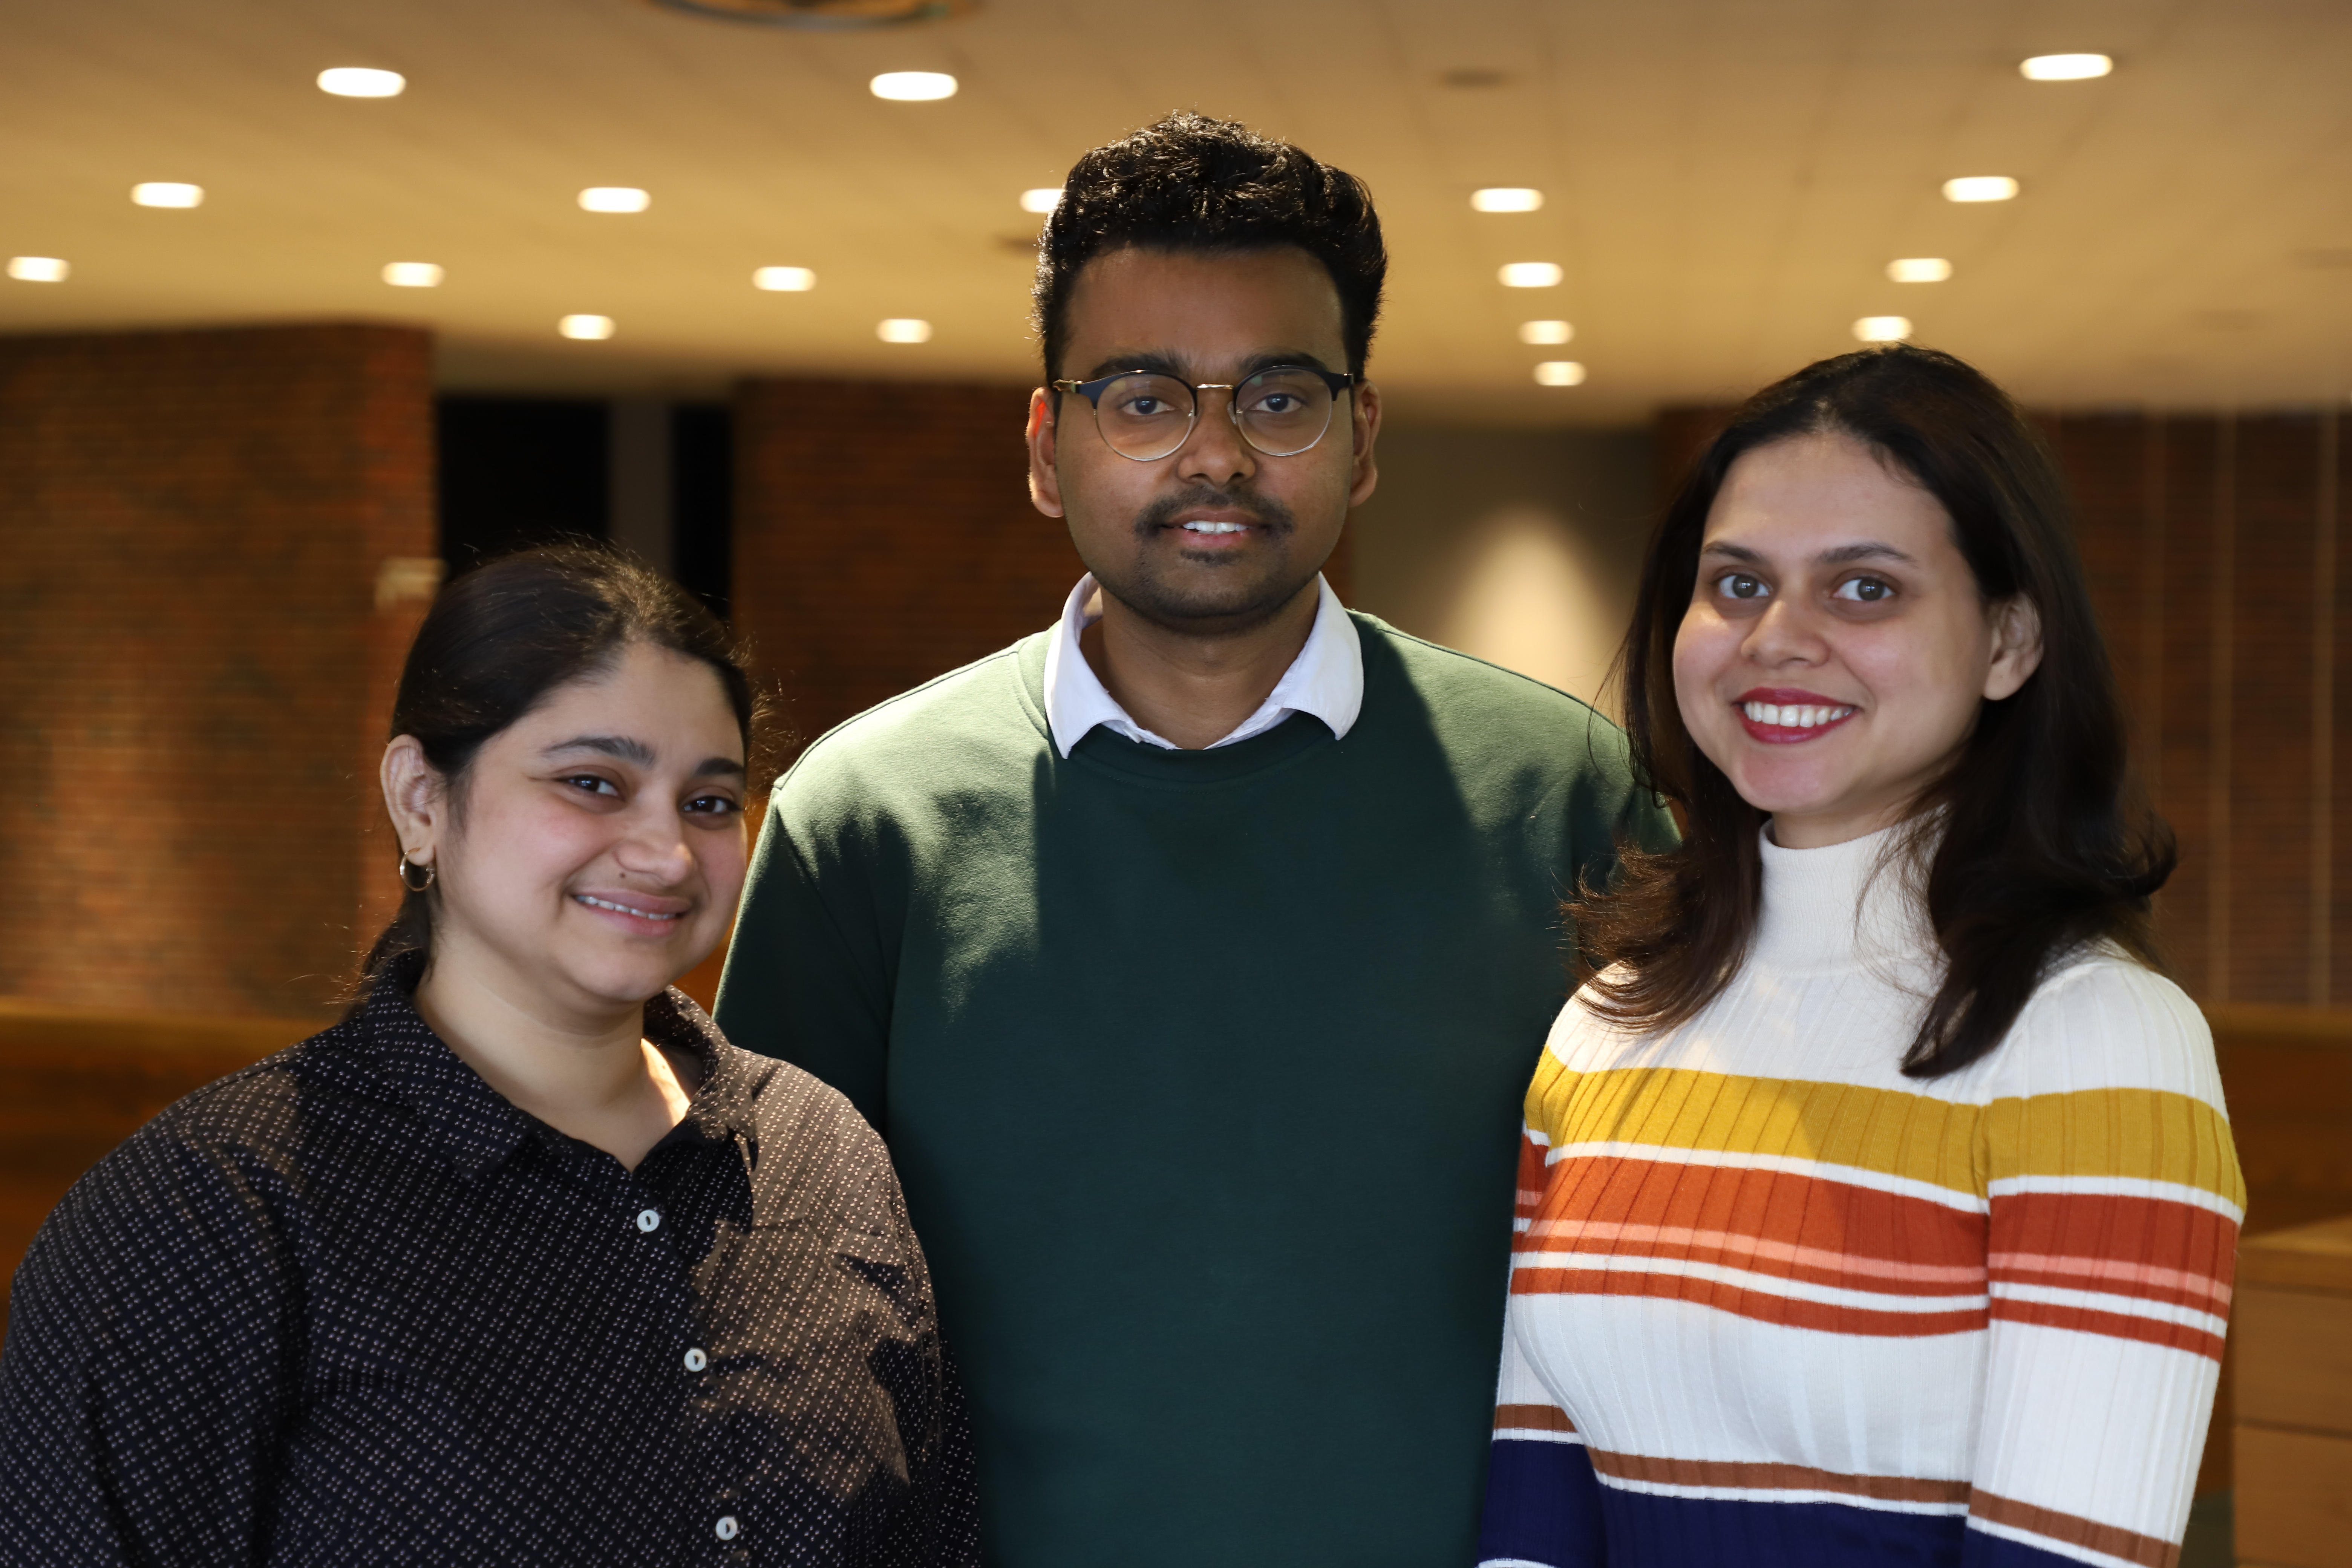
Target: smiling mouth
{"type": "Point", "coordinates": [1214, 527]}
{"type": "Point", "coordinates": [1794, 715]}
{"type": "Point", "coordinates": [596, 903]}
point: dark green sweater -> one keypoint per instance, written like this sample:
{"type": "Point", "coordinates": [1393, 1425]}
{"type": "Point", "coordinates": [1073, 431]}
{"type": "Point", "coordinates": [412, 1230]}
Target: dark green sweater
{"type": "Point", "coordinates": [1202, 1072]}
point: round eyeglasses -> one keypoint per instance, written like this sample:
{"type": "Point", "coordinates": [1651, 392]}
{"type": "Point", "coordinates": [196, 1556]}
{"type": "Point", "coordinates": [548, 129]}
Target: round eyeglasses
{"type": "Point", "coordinates": [1281, 411]}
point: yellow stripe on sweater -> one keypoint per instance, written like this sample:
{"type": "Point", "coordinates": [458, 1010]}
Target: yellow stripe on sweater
{"type": "Point", "coordinates": [2148, 1135]}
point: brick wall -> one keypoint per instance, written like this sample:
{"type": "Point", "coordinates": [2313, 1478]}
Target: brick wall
{"type": "Point", "coordinates": [194, 668]}
{"type": "Point", "coordinates": [2212, 546]}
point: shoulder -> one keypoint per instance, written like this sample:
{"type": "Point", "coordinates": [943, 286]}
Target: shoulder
{"type": "Point", "coordinates": [828, 1154]}
{"type": "Point", "coordinates": [2102, 1020]}
{"type": "Point", "coordinates": [962, 724]}
{"type": "Point", "coordinates": [1490, 716]}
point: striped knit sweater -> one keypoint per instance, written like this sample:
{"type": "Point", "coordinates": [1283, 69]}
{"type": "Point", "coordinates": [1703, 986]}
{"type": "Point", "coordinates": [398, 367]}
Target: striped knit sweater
{"type": "Point", "coordinates": [1773, 1303]}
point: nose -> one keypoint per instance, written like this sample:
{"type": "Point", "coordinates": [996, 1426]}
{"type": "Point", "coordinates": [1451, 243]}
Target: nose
{"type": "Point", "coordinates": [1213, 452]}
{"type": "Point", "coordinates": [655, 847]}
{"type": "Point", "coordinates": [1785, 635]}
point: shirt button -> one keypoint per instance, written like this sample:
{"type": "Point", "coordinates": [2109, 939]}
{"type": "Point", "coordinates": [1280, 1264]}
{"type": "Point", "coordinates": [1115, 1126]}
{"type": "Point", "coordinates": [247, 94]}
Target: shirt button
{"type": "Point", "coordinates": [696, 1360]}
{"type": "Point", "coordinates": [649, 1219]}
{"type": "Point", "coordinates": [726, 1527]}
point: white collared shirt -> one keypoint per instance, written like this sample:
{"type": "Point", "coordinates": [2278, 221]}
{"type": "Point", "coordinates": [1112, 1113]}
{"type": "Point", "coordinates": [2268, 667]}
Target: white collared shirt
{"type": "Point", "coordinates": [1327, 679]}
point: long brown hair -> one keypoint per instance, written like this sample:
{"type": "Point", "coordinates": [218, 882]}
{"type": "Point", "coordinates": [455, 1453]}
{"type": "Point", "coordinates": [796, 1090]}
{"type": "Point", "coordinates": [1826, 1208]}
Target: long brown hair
{"type": "Point", "coordinates": [2032, 845]}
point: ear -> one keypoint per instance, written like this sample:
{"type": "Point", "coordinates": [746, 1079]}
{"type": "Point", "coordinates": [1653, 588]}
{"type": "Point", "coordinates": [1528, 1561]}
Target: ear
{"type": "Point", "coordinates": [2016, 647]}
{"type": "Point", "coordinates": [1363, 428]}
{"type": "Point", "coordinates": [1044, 479]}
{"type": "Point", "coordinates": [416, 796]}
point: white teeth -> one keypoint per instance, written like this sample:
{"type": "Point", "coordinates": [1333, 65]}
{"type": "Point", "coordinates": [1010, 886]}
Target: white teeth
{"type": "Point", "coordinates": [1794, 715]}
{"type": "Point", "coordinates": [1215, 527]}
{"type": "Point", "coordinates": [622, 909]}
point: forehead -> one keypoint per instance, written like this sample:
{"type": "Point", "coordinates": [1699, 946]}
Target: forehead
{"type": "Point", "coordinates": [667, 701]}
{"type": "Point", "coordinates": [1822, 491]}
{"type": "Point", "coordinates": [1204, 305]}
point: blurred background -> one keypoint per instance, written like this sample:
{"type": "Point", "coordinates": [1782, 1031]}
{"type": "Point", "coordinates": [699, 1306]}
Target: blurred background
{"type": "Point", "coordinates": [312, 302]}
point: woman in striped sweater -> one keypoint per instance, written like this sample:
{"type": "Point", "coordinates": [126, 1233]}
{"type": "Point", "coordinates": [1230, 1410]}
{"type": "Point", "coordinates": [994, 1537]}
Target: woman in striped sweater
{"type": "Point", "coordinates": [1877, 1201]}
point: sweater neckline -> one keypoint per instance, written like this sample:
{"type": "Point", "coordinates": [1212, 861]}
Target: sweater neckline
{"type": "Point", "coordinates": [1105, 749]}
{"type": "Point", "coordinates": [1840, 906]}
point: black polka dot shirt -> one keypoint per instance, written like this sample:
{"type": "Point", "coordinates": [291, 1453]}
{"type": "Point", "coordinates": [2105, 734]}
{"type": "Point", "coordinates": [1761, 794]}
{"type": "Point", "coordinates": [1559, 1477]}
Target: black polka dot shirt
{"type": "Point", "coordinates": [352, 1306]}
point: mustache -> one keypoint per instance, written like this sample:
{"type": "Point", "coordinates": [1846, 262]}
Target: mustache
{"type": "Point", "coordinates": [1265, 510]}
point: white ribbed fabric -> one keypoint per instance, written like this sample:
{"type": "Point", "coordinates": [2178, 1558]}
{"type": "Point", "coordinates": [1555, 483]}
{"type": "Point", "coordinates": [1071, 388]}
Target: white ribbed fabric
{"type": "Point", "coordinates": [1771, 1298]}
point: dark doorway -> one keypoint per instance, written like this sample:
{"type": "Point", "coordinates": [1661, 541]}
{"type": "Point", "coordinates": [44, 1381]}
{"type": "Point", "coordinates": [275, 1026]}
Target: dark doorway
{"type": "Point", "coordinates": [515, 472]}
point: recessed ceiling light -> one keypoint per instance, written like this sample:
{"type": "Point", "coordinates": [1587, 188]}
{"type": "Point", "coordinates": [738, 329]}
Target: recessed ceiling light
{"type": "Point", "coordinates": [1530, 274]}
{"type": "Point", "coordinates": [38, 268]}
{"type": "Point", "coordinates": [413, 274]}
{"type": "Point", "coordinates": [615, 199]}
{"type": "Point", "coordinates": [359, 81]}
{"type": "Point", "coordinates": [2064, 68]}
{"type": "Point", "coordinates": [1883, 328]}
{"type": "Point", "coordinates": [785, 280]}
{"type": "Point", "coordinates": [903, 330]}
{"type": "Point", "coordinates": [1980, 188]}
{"type": "Point", "coordinates": [1560, 373]}
{"type": "Point", "coordinates": [588, 329]}
{"type": "Point", "coordinates": [1919, 270]}
{"type": "Point", "coordinates": [913, 86]}
{"type": "Point", "coordinates": [1546, 333]}
{"type": "Point", "coordinates": [1044, 199]}
{"type": "Point", "coordinates": [167, 194]}
{"type": "Point", "coordinates": [1507, 199]}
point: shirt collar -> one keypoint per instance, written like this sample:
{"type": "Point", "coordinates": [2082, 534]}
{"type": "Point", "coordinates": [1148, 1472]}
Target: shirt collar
{"type": "Point", "coordinates": [476, 1128]}
{"type": "Point", "coordinates": [1327, 679]}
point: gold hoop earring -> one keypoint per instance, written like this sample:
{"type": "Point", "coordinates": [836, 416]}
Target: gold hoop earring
{"type": "Point", "coordinates": [405, 868]}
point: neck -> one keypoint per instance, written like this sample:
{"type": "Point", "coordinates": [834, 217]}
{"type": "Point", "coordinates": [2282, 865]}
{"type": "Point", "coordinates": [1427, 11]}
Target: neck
{"type": "Point", "coordinates": [585, 1069]}
{"type": "Point", "coordinates": [1195, 689]}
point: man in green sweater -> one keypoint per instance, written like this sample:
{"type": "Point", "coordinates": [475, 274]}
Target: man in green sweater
{"type": "Point", "coordinates": [1194, 955]}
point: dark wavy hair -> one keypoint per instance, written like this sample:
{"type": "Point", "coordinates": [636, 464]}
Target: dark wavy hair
{"type": "Point", "coordinates": [503, 638]}
{"type": "Point", "coordinates": [2034, 843]}
{"type": "Point", "coordinates": [1190, 183]}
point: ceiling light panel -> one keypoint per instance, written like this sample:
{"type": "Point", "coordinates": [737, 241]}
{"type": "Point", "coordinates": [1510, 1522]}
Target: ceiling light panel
{"type": "Point", "coordinates": [167, 194]}
{"type": "Point", "coordinates": [615, 199]}
{"type": "Point", "coordinates": [1044, 199]}
{"type": "Point", "coordinates": [413, 274]}
{"type": "Point", "coordinates": [1507, 199]}
{"type": "Point", "coordinates": [38, 268]}
{"type": "Point", "coordinates": [586, 329]}
{"type": "Point", "coordinates": [1546, 333]}
{"type": "Point", "coordinates": [1919, 270]}
{"type": "Point", "coordinates": [903, 330]}
{"type": "Point", "coordinates": [1883, 328]}
{"type": "Point", "coordinates": [785, 280]}
{"type": "Point", "coordinates": [1560, 373]}
{"type": "Point", "coordinates": [2064, 68]}
{"type": "Point", "coordinates": [1979, 188]}
{"type": "Point", "coordinates": [360, 81]}
{"type": "Point", "coordinates": [1530, 274]}
{"type": "Point", "coordinates": [913, 86]}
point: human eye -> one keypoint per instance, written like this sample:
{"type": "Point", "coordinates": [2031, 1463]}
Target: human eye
{"type": "Point", "coordinates": [594, 784]}
{"type": "Point", "coordinates": [1865, 590]}
{"type": "Point", "coordinates": [713, 806]}
{"type": "Point", "coordinates": [1741, 585]}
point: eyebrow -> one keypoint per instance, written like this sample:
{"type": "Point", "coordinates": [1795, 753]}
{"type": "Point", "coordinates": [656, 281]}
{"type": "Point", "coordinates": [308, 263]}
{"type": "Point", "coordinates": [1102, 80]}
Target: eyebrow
{"type": "Point", "coordinates": [1158, 361]}
{"type": "Point", "coordinates": [1843, 556]}
{"type": "Point", "coordinates": [628, 749]}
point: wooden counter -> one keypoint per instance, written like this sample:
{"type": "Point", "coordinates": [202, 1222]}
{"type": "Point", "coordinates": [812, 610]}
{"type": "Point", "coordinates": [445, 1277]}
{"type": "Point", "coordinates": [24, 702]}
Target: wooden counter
{"type": "Point", "coordinates": [2293, 1343]}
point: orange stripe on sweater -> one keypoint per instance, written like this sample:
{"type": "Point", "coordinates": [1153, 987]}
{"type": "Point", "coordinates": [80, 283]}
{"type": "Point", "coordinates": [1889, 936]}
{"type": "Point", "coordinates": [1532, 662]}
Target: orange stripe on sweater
{"type": "Point", "coordinates": [2114, 1540]}
{"type": "Point", "coordinates": [1763, 1476]}
{"type": "Point", "coordinates": [1809, 1227]}
{"type": "Point", "coordinates": [2115, 1325]}
{"type": "Point", "coordinates": [1760, 1306]}
{"type": "Point", "coordinates": [2145, 1247]}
